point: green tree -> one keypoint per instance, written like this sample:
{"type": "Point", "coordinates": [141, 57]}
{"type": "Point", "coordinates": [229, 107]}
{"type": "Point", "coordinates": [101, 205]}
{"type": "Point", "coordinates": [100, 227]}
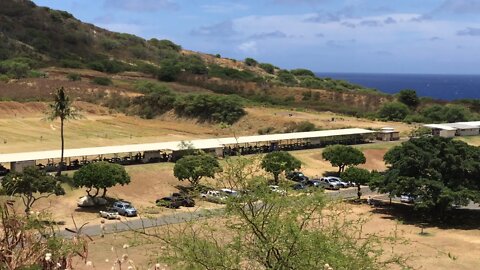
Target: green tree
{"type": "Point", "coordinates": [62, 109]}
{"type": "Point", "coordinates": [100, 175]}
{"type": "Point", "coordinates": [394, 111]}
{"type": "Point", "coordinates": [449, 113]}
{"type": "Point", "coordinates": [440, 172]}
{"type": "Point", "coordinates": [31, 185]}
{"type": "Point", "coordinates": [409, 98]}
{"type": "Point", "coordinates": [279, 162]}
{"type": "Point", "coordinates": [169, 70]}
{"type": "Point", "coordinates": [265, 230]}
{"type": "Point", "coordinates": [269, 68]}
{"type": "Point", "coordinates": [251, 62]}
{"type": "Point", "coordinates": [302, 72]}
{"type": "Point", "coordinates": [357, 175]}
{"type": "Point", "coordinates": [194, 167]}
{"type": "Point", "coordinates": [286, 77]}
{"type": "Point", "coordinates": [343, 155]}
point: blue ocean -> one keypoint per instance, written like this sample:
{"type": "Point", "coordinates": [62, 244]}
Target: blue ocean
{"type": "Point", "coordinates": [446, 87]}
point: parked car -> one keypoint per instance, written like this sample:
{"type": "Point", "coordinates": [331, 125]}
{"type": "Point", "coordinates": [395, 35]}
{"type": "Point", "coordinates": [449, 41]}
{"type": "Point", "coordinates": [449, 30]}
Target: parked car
{"type": "Point", "coordinates": [214, 196]}
{"type": "Point", "coordinates": [175, 201]}
{"type": "Point", "coordinates": [297, 176]}
{"type": "Point", "coordinates": [407, 198]}
{"type": "Point", "coordinates": [229, 192]}
{"type": "Point", "coordinates": [125, 209]}
{"type": "Point", "coordinates": [330, 183]}
{"type": "Point", "coordinates": [277, 189]}
{"type": "Point", "coordinates": [339, 180]}
{"type": "Point", "coordinates": [110, 213]}
{"type": "Point", "coordinates": [299, 186]}
{"type": "Point", "coordinates": [320, 184]}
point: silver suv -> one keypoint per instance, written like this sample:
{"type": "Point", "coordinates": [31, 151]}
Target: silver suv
{"type": "Point", "coordinates": [332, 183]}
{"type": "Point", "coordinates": [125, 209]}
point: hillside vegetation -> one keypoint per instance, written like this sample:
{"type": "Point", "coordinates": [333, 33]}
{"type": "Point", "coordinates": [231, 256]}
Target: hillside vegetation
{"type": "Point", "coordinates": [103, 67]}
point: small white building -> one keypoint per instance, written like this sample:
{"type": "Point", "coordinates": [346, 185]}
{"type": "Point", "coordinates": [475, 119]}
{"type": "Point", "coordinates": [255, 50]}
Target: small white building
{"type": "Point", "coordinates": [388, 134]}
{"type": "Point", "coordinates": [449, 130]}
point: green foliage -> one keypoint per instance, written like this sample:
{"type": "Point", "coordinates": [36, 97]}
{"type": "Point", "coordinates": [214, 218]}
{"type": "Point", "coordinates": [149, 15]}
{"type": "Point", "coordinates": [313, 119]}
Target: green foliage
{"type": "Point", "coordinates": [450, 113]}
{"type": "Point", "coordinates": [251, 62]}
{"type": "Point", "coordinates": [357, 175]}
{"type": "Point", "coordinates": [194, 64]}
{"type": "Point", "coordinates": [343, 155]}
{"type": "Point", "coordinates": [157, 100]}
{"type": "Point", "coordinates": [286, 77]}
{"type": "Point", "coordinates": [218, 109]}
{"type": "Point", "coordinates": [194, 168]}
{"type": "Point", "coordinates": [279, 162]}
{"type": "Point", "coordinates": [393, 111]}
{"type": "Point", "coordinates": [74, 77]}
{"type": "Point", "coordinates": [109, 66]}
{"type": "Point", "coordinates": [230, 73]}
{"type": "Point", "coordinates": [31, 185]}
{"type": "Point", "coordinates": [71, 63]}
{"type": "Point", "coordinates": [302, 72]}
{"type": "Point", "coordinates": [109, 44]}
{"type": "Point", "coordinates": [265, 230]}
{"type": "Point", "coordinates": [169, 70]}
{"type": "Point", "coordinates": [266, 130]}
{"type": "Point", "coordinates": [4, 78]}
{"type": "Point", "coordinates": [165, 44]}
{"type": "Point", "coordinates": [102, 81]}
{"type": "Point", "coordinates": [62, 109]}
{"type": "Point", "coordinates": [409, 98]}
{"type": "Point", "coordinates": [100, 175]}
{"type": "Point", "coordinates": [16, 68]}
{"type": "Point", "coordinates": [303, 126]}
{"type": "Point", "coordinates": [269, 68]}
{"type": "Point", "coordinates": [440, 172]}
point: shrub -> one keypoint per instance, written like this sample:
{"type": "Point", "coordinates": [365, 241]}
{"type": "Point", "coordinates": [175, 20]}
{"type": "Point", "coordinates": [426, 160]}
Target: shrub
{"type": "Point", "coordinates": [409, 98]}
{"type": "Point", "coordinates": [109, 44]}
{"type": "Point", "coordinates": [36, 74]}
{"type": "Point", "coordinates": [394, 111]}
{"type": "Point", "coordinates": [194, 64]}
{"type": "Point", "coordinates": [102, 81]}
{"type": "Point", "coordinates": [449, 113]}
{"type": "Point", "coordinates": [286, 77]}
{"type": "Point", "coordinates": [165, 44]}
{"type": "Point", "coordinates": [302, 72]}
{"type": "Point", "coordinates": [251, 62]}
{"type": "Point", "coordinates": [269, 68]}
{"type": "Point", "coordinates": [169, 70]}
{"type": "Point", "coordinates": [74, 77]}
{"type": "Point", "coordinates": [231, 73]}
{"type": "Point", "coordinates": [266, 130]}
{"type": "Point", "coordinates": [157, 100]}
{"type": "Point", "coordinates": [218, 109]}
{"type": "Point", "coordinates": [303, 126]}
{"type": "Point", "coordinates": [71, 63]}
{"type": "Point", "coordinates": [218, 55]}
{"type": "Point", "coordinates": [109, 66]}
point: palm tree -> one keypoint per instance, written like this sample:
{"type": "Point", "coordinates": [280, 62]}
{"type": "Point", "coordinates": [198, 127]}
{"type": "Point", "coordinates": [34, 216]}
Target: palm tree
{"type": "Point", "coordinates": [62, 108]}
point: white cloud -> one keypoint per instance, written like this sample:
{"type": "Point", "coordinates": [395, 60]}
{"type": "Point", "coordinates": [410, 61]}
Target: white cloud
{"type": "Point", "coordinates": [248, 47]}
{"type": "Point", "coordinates": [224, 7]}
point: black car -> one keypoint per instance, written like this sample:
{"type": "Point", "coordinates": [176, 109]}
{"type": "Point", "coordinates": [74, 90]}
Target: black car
{"type": "Point", "coordinates": [175, 202]}
{"type": "Point", "coordinates": [296, 176]}
{"type": "Point", "coordinates": [299, 186]}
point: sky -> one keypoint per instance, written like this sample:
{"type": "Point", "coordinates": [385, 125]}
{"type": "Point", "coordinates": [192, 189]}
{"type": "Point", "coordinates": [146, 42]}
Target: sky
{"type": "Point", "coordinates": [362, 36]}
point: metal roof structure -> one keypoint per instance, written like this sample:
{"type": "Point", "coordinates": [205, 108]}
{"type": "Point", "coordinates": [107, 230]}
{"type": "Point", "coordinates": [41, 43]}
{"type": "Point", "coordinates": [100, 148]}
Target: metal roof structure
{"type": "Point", "coordinates": [455, 126]}
{"type": "Point", "coordinates": [440, 126]}
{"type": "Point", "coordinates": [202, 144]}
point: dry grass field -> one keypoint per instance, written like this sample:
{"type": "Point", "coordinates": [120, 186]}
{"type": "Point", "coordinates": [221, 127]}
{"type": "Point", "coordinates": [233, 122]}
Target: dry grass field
{"type": "Point", "coordinates": [22, 128]}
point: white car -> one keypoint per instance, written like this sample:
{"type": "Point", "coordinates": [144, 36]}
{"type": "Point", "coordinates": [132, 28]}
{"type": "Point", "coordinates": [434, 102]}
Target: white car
{"type": "Point", "coordinates": [277, 189]}
{"type": "Point", "coordinates": [229, 192]}
{"type": "Point", "coordinates": [110, 214]}
{"type": "Point", "coordinates": [214, 196]}
{"type": "Point", "coordinates": [340, 182]}
{"type": "Point", "coordinates": [406, 198]}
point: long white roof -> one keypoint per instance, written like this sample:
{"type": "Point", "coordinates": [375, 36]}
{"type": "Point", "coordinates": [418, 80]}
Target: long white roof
{"type": "Point", "coordinates": [455, 126]}
{"type": "Point", "coordinates": [178, 145]}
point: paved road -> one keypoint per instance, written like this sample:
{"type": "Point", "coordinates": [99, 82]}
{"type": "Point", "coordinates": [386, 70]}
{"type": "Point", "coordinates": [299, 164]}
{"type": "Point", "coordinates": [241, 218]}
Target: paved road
{"type": "Point", "coordinates": [112, 226]}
